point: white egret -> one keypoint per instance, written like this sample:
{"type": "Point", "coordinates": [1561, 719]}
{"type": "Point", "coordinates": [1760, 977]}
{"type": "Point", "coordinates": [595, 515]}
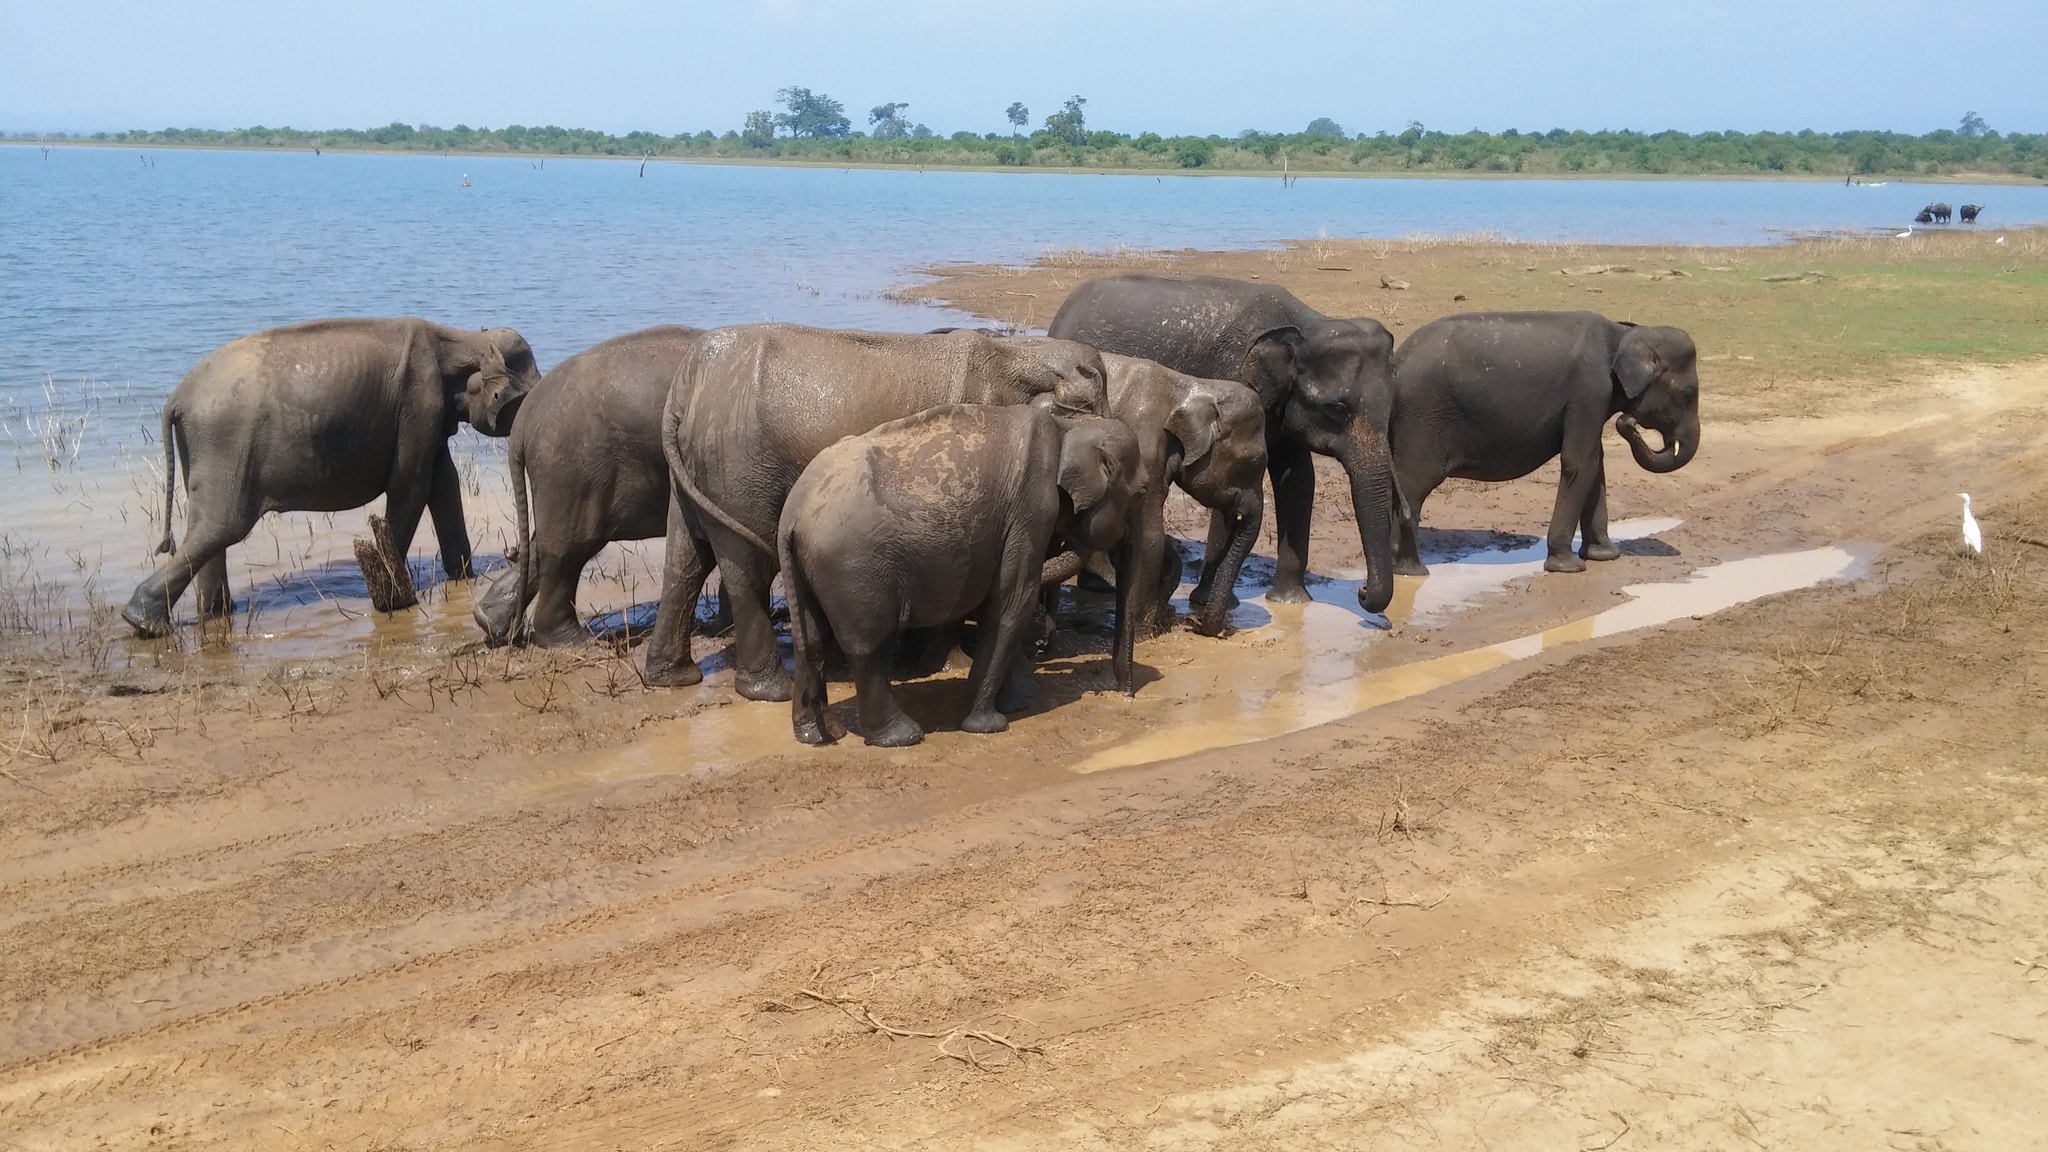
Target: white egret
{"type": "Point", "coordinates": [1973, 536]}
{"type": "Point", "coordinates": [1906, 233]}
{"type": "Point", "coordinates": [2000, 240]}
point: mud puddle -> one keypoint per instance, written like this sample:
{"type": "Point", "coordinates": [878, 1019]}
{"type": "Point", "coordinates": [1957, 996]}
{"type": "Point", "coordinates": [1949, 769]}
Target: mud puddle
{"type": "Point", "coordinates": [1331, 682]}
{"type": "Point", "coordinates": [1287, 667]}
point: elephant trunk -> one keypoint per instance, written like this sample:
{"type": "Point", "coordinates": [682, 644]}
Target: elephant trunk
{"type": "Point", "coordinates": [1679, 444]}
{"type": "Point", "coordinates": [1244, 531]}
{"type": "Point", "coordinates": [1129, 599]}
{"type": "Point", "coordinates": [1371, 471]}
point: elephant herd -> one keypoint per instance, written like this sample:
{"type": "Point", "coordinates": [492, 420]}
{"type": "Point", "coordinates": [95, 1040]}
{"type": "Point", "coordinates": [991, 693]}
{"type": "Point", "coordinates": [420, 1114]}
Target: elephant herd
{"type": "Point", "coordinates": [905, 485]}
{"type": "Point", "coordinates": [1941, 213]}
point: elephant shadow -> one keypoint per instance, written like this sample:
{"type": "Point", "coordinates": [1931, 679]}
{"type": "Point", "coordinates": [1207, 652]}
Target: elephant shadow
{"type": "Point", "coordinates": [1487, 546]}
{"type": "Point", "coordinates": [1645, 546]}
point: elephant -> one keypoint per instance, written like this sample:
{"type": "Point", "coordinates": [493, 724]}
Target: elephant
{"type": "Point", "coordinates": [588, 442]}
{"type": "Point", "coordinates": [1209, 437]}
{"type": "Point", "coordinates": [1969, 212]}
{"type": "Point", "coordinates": [749, 408]}
{"type": "Point", "coordinates": [1941, 211]}
{"type": "Point", "coordinates": [1924, 216]}
{"type": "Point", "coordinates": [924, 521]}
{"type": "Point", "coordinates": [321, 417]}
{"type": "Point", "coordinates": [1494, 395]}
{"type": "Point", "coordinates": [1326, 386]}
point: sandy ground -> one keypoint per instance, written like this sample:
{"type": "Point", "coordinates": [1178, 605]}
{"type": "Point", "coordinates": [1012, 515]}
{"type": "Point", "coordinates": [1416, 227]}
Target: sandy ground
{"type": "Point", "coordinates": [1772, 877]}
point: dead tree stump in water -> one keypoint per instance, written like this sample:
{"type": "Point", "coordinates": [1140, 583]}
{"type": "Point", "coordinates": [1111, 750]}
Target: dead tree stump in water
{"type": "Point", "coordinates": [384, 570]}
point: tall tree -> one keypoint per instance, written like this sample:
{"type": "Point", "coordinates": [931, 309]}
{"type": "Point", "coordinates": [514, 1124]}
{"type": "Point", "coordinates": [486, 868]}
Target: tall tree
{"type": "Point", "coordinates": [1973, 125]}
{"type": "Point", "coordinates": [888, 121]}
{"type": "Point", "coordinates": [1323, 126]}
{"type": "Point", "coordinates": [1068, 123]}
{"type": "Point", "coordinates": [760, 129]}
{"type": "Point", "coordinates": [811, 114]}
{"type": "Point", "coordinates": [1019, 116]}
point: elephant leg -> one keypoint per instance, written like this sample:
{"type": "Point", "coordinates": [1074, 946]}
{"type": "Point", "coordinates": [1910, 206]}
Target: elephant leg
{"type": "Point", "coordinates": [745, 574]}
{"type": "Point", "coordinates": [883, 722]}
{"type": "Point", "coordinates": [556, 574]}
{"type": "Point", "coordinates": [208, 535]}
{"type": "Point", "coordinates": [1212, 556]}
{"type": "Point", "coordinates": [1010, 608]}
{"type": "Point", "coordinates": [810, 711]}
{"type": "Point", "coordinates": [211, 585]}
{"type": "Point", "coordinates": [444, 499]}
{"type": "Point", "coordinates": [1594, 543]}
{"type": "Point", "coordinates": [1578, 477]}
{"type": "Point", "coordinates": [403, 508]}
{"type": "Point", "coordinates": [686, 564]}
{"type": "Point", "coordinates": [1413, 483]}
{"type": "Point", "coordinates": [1293, 471]}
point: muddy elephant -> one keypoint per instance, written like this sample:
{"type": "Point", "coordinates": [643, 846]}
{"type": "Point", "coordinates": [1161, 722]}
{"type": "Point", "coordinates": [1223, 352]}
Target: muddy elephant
{"type": "Point", "coordinates": [925, 521]}
{"type": "Point", "coordinates": [322, 417]}
{"type": "Point", "coordinates": [1325, 383]}
{"type": "Point", "coordinates": [1969, 212]}
{"type": "Point", "coordinates": [1496, 395]}
{"type": "Point", "coordinates": [1208, 437]}
{"type": "Point", "coordinates": [587, 470]}
{"type": "Point", "coordinates": [751, 405]}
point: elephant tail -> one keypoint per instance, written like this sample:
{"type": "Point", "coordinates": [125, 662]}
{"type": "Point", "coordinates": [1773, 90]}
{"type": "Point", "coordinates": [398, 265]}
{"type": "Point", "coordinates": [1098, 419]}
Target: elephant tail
{"type": "Point", "coordinates": [515, 459]}
{"type": "Point", "coordinates": [671, 447]}
{"type": "Point", "coordinates": [169, 429]}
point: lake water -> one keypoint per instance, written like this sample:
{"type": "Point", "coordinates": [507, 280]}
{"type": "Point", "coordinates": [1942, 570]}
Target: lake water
{"type": "Point", "coordinates": [116, 274]}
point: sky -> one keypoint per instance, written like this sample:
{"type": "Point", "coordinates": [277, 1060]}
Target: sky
{"type": "Point", "coordinates": [1196, 66]}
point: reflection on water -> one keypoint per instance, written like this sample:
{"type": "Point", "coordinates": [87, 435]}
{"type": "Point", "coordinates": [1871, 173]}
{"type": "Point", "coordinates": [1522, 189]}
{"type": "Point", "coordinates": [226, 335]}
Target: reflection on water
{"type": "Point", "coordinates": [1329, 683]}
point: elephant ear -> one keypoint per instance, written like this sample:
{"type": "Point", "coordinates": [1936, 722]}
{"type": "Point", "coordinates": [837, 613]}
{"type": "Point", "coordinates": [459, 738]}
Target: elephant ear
{"type": "Point", "coordinates": [1085, 469]}
{"type": "Point", "coordinates": [493, 361]}
{"type": "Point", "coordinates": [1637, 363]}
{"type": "Point", "coordinates": [1193, 422]}
{"type": "Point", "coordinates": [1273, 361]}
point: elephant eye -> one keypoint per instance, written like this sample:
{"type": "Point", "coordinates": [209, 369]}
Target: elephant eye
{"type": "Point", "coordinates": [1338, 409]}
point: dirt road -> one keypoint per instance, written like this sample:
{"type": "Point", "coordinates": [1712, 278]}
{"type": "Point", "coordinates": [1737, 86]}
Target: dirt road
{"type": "Point", "coordinates": [1769, 878]}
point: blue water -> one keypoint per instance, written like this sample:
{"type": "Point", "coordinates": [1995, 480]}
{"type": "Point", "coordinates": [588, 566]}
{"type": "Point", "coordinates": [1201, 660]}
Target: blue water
{"type": "Point", "coordinates": [125, 274]}
{"type": "Point", "coordinates": [117, 275]}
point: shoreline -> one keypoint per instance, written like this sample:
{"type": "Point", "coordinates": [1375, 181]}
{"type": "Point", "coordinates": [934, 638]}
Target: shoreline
{"type": "Point", "coordinates": [1982, 178]}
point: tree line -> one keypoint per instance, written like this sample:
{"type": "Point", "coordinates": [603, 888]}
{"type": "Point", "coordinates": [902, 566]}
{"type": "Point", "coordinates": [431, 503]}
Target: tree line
{"type": "Point", "coordinates": [812, 126]}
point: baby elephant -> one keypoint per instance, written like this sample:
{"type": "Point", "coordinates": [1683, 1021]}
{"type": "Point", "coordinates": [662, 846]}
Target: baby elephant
{"type": "Point", "coordinates": [928, 520]}
{"type": "Point", "coordinates": [1496, 395]}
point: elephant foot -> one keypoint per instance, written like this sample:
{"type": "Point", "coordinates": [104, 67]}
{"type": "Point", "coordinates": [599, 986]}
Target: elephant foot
{"type": "Point", "coordinates": [1563, 562]}
{"type": "Point", "coordinates": [1602, 550]}
{"type": "Point", "coordinates": [1410, 566]}
{"type": "Point", "coordinates": [770, 687]}
{"type": "Point", "coordinates": [818, 731]}
{"type": "Point", "coordinates": [678, 674]}
{"type": "Point", "coordinates": [148, 625]}
{"type": "Point", "coordinates": [1287, 594]}
{"type": "Point", "coordinates": [900, 732]}
{"type": "Point", "coordinates": [1210, 626]}
{"type": "Point", "coordinates": [984, 722]}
